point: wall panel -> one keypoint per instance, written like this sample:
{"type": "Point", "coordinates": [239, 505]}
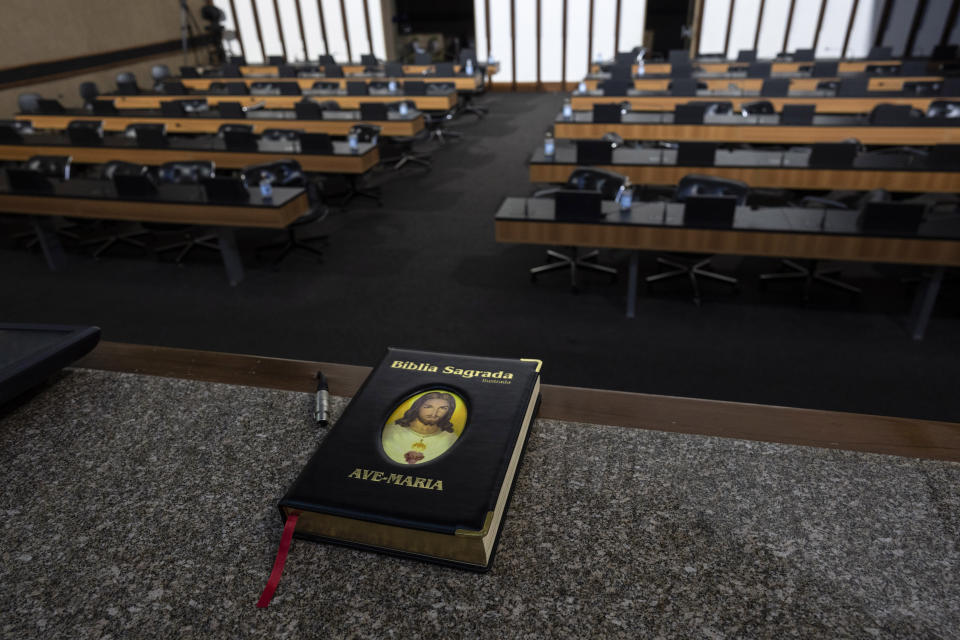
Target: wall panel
{"type": "Point", "coordinates": [714, 31]}
{"type": "Point", "coordinates": [501, 42]}
{"type": "Point", "coordinates": [311, 27]}
{"type": "Point", "coordinates": [864, 29]}
{"type": "Point", "coordinates": [526, 34]}
{"type": "Point", "coordinates": [248, 31]}
{"type": "Point", "coordinates": [834, 28]}
{"type": "Point", "coordinates": [269, 28]}
{"type": "Point", "coordinates": [804, 26]}
{"type": "Point", "coordinates": [772, 28]}
{"type": "Point", "coordinates": [604, 15]}
{"type": "Point", "coordinates": [334, 22]}
{"type": "Point", "coordinates": [551, 40]}
{"type": "Point", "coordinates": [744, 26]}
{"type": "Point", "coordinates": [632, 18]}
{"type": "Point", "coordinates": [578, 19]}
{"type": "Point", "coordinates": [898, 29]}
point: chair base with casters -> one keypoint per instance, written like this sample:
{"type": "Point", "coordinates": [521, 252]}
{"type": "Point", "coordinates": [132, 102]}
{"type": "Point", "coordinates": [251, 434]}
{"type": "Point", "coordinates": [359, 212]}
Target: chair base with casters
{"type": "Point", "coordinates": [809, 274]}
{"type": "Point", "coordinates": [437, 130]}
{"type": "Point", "coordinates": [572, 261]}
{"type": "Point", "coordinates": [126, 234]}
{"type": "Point", "coordinates": [406, 154]}
{"type": "Point", "coordinates": [191, 239]}
{"type": "Point", "coordinates": [693, 269]}
{"type": "Point", "coordinates": [466, 105]}
{"type": "Point", "coordinates": [354, 190]}
{"type": "Point", "coordinates": [294, 242]}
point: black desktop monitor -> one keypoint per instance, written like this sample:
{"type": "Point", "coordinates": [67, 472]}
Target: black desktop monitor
{"type": "Point", "coordinates": [225, 190]}
{"type": "Point", "coordinates": [150, 136]}
{"type": "Point", "coordinates": [606, 113]}
{"type": "Point", "coordinates": [232, 110]}
{"type": "Point", "coordinates": [759, 70]}
{"type": "Point", "coordinates": [9, 134]}
{"type": "Point", "coordinates": [833, 155]}
{"type": "Point", "coordinates": [134, 187]}
{"type": "Point", "coordinates": [747, 55]}
{"type": "Point", "coordinates": [415, 88]}
{"type": "Point", "coordinates": [803, 55]}
{"type": "Point", "coordinates": [237, 139]}
{"type": "Point", "coordinates": [775, 88]}
{"type": "Point", "coordinates": [317, 143]}
{"type": "Point", "coordinates": [573, 204]}
{"type": "Point", "coordinates": [32, 353]}
{"type": "Point", "coordinates": [307, 109]}
{"type": "Point", "coordinates": [373, 111]}
{"type": "Point", "coordinates": [944, 157]}
{"type": "Point", "coordinates": [683, 87]}
{"type": "Point", "coordinates": [104, 108]}
{"type": "Point", "coordinates": [891, 115]}
{"type": "Point", "coordinates": [47, 106]}
{"type": "Point", "coordinates": [172, 109]}
{"type": "Point", "coordinates": [616, 87]}
{"type": "Point", "coordinates": [592, 152]}
{"type": "Point", "coordinates": [678, 56]}
{"type": "Point", "coordinates": [798, 114]}
{"type": "Point", "coordinates": [891, 218]}
{"type": "Point", "coordinates": [709, 212]}
{"type": "Point", "coordinates": [85, 133]}
{"type": "Point", "coordinates": [28, 181]}
{"type": "Point", "coordinates": [689, 113]}
{"type": "Point", "coordinates": [696, 154]}
{"type": "Point", "coordinates": [358, 88]}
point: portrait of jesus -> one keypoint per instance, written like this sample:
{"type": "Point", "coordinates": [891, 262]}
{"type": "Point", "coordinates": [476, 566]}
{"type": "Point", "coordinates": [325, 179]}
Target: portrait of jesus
{"type": "Point", "coordinates": [424, 427]}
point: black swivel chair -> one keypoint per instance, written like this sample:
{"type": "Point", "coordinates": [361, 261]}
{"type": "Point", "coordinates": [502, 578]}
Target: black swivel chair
{"type": "Point", "coordinates": [190, 237]}
{"type": "Point", "coordinates": [403, 145]}
{"type": "Point", "coordinates": [119, 232]}
{"type": "Point", "coordinates": [159, 73]}
{"type": "Point", "coordinates": [276, 60]}
{"type": "Point", "coordinates": [332, 71]}
{"type": "Point", "coordinates": [693, 265]}
{"type": "Point", "coordinates": [393, 70]}
{"type": "Point", "coordinates": [775, 88]}
{"type": "Point", "coordinates": [286, 71]}
{"type": "Point", "coordinates": [609, 184]}
{"type": "Point", "coordinates": [759, 70]}
{"type": "Point", "coordinates": [85, 133]}
{"type": "Point", "coordinates": [89, 92]}
{"type": "Point", "coordinates": [369, 60]}
{"type": "Point", "coordinates": [58, 167]}
{"type": "Point", "coordinates": [238, 137]}
{"type": "Point", "coordinates": [189, 72]}
{"type": "Point", "coordinates": [288, 173]}
{"type": "Point", "coordinates": [747, 55]}
{"type": "Point", "coordinates": [422, 59]}
{"type": "Point", "coordinates": [127, 84]}
{"type": "Point", "coordinates": [29, 102]}
{"type": "Point", "coordinates": [757, 108]}
{"type": "Point", "coordinates": [365, 133]}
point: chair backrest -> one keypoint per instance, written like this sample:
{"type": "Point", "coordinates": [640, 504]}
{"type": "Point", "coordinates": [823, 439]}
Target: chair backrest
{"type": "Point", "coordinates": [683, 87]}
{"type": "Point", "coordinates": [282, 173]}
{"type": "Point", "coordinates": [689, 113]}
{"type": "Point", "coordinates": [616, 87]}
{"type": "Point", "coordinates": [358, 88]}
{"type": "Point", "coordinates": [467, 54]}
{"type": "Point", "coordinates": [393, 70]}
{"type": "Point", "coordinates": [121, 168]}
{"type": "Point", "coordinates": [833, 155]}
{"type": "Point", "coordinates": [159, 71]}
{"type": "Point", "coordinates": [173, 88]}
{"type": "Point", "coordinates": [189, 72]}
{"type": "Point", "coordinates": [326, 85]}
{"type": "Point", "coordinates": [85, 133]}
{"type": "Point", "coordinates": [797, 114]}
{"type": "Point", "coordinates": [678, 56]}
{"type": "Point", "coordinates": [366, 132]}
{"type": "Point", "coordinates": [775, 87]}
{"type": "Point", "coordinates": [276, 60]}
{"type": "Point", "coordinates": [326, 59]}
{"type": "Point", "coordinates": [747, 55]}
{"type": "Point", "coordinates": [759, 70]}
{"type": "Point", "coordinates": [415, 88]}
{"type": "Point", "coordinates": [422, 58]}
{"type": "Point", "coordinates": [853, 87]}
{"type": "Point", "coordinates": [174, 108]}
{"type": "Point", "coordinates": [803, 55]}
{"type": "Point", "coordinates": [89, 91]}
{"type": "Point", "coordinates": [307, 109]}
{"type": "Point", "coordinates": [287, 71]}
{"type": "Point", "coordinates": [606, 113]}
{"type": "Point", "coordinates": [288, 88]}
{"type": "Point", "coordinates": [238, 137]}
{"type": "Point", "coordinates": [127, 83]}
{"type": "Point", "coordinates": [9, 133]}
{"type": "Point", "coordinates": [696, 154]}
{"type": "Point", "coordinates": [694, 184]}
{"type": "Point", "coordinates": [892, 114]}
{"type": "Point", "coordinates": [315, 143]}
{"type": "Point", "coordinates": [332, 70]}
{"type": "Point", "coordinates": [444, 69]}
{"type": "Point", "coordinates": [29, 102]}
{"type": "Point", "coordinates": [230, 70]}
{"type": "Point", "coordinates": [51, 166]}
{"type": "Point", "coordinates": [236, 88]}
{"type": "Point", "coordinates": [621, 72]}
{"type": "Point", "coordinates": [944, 156]}
{"type": "Point", "coordinates": [148, 135]}
{"type": "Point", "coordinates": [681, 70]}
{"type": "Point", "coordinates": [232, 110]}
{"type": "Point", "coordinates": [591, 152]}
{"type": "Point", "coordinates": [950, 87]}
{"type": "Point", "coordinates": [608, 183]}
{"type": "Point", "coordinates": [373, 111]}
{"type": "Point", "coordinates": [880, 53]}
{"type": "Point", "coordinates": [186, 172]}
{"type": "Point", "coordinates": [824, 69]}
{"type": "Point", "coordinates": [891, 218]}
{"type": "Point", "coordinates": [760, 107]}
{"type": "Point", "coordinates": [368, 59]}
{"type": "Point", "coordinates": [714, 107]}
{"type": "Point", "coordinates": [913, 68]}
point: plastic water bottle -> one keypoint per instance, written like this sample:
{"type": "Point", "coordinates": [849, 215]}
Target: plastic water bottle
{"type": "Point", "coordinates": [392, 86]}
{"type": "Point", "coordinates": [468, 67]}
{"type": "Point", "coordinates": [640, 68]}
{"type": "Point", "coordinates": [626, 196]}
{"type": "Point", "coordinates": [490, 59]}
{"type": "Point", "coordinates": [567, 109]}
{"type": "Point", "coordinates": [266, 187]}
{"type": "Point", "coordinates": [598, 59]}
{"type": "Point", "coordinates": [352, 141]}
{"type": "Point", "coordinates": [404, 109]}
{"type": "Point", "coordinates": [582, 87]}
{"type": "Point", "coordinates": [549, 147]}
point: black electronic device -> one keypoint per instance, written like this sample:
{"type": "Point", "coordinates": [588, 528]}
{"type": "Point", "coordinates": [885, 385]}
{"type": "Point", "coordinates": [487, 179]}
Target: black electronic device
{"type": "Point", "coordinates": [232, 110]}
{"type": "Point", "coordinates": [616, 87]}
{"type": "Point", "coordinates": [689, 113]}
{"type": "Point", "coordinates": [709, 212]}
{"type": "Point", "coordinates": [803, 55]}
{"type": "Point", "coordinates": [944, 157]}
{"type": "Point", "coordinates": [239, 137]}
{"type": "Point", "coordinates": [288, 88]}
{"type": "Point", "coordinates": [696, 154]}
{"type": "Point", "coordinates": [104, 108]}
{"type": "Point", "coordinates": [606, 113]}
{"type": "Point", "coordinates": [684, 87]}
{"type": "Point", "coordinates": [139, 187]}
{"type": "Point", "coordinates": [31, 353]}
{"type": "Point", "coordinates": [355, 88]}
{"type": "Point", "coordinates": [317, 143]}
{"type": "Point", "coordinates": [227, 190]}
{"type": "Point", "coordinates": [832, 155]}
{"type": "Point", "coordinates": [172, 109]}
{"type": "Point", "coordinates": [28, 181]}
{"type": "Point", "coordinates": [373, 111]}
{"type": "Point", "coordinates": [775, 88]}
{"type": "Point", "coordinates": [85, 133]}
{"type": "Point", "coordinates": [592, 152]}
{"type": "Point", "coordinates": [50, 107]}
{"type": "Point", "coordinates": [150, 136]}
{"type": "Point", "coordinates": [574, 204]}
{"type": "Point", "coordinates": [759, 70]}
{"type": "Point", "coordinates": [797, 114]}
{"type": "Point", "coordinates": [9, 134]}
{"type": "Point", "coordinates": [891, 218]}
{"type": "Point", "coordinates": [891, 115]}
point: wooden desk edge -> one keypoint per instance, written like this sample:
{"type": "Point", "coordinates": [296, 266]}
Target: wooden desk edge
{"type": "Point", "coordinates": [808, 427]}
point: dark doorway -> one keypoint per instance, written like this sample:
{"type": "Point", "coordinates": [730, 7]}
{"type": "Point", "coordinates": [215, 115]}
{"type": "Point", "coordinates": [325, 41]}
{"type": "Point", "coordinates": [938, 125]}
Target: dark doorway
{"type": "Point", "coordinates": [440, 28]}
{"type": "Point", "coordinates": [670, 22]}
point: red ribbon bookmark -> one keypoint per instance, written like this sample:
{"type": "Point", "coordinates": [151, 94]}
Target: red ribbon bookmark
{"type": "Point", "coordinates": [279, 561]}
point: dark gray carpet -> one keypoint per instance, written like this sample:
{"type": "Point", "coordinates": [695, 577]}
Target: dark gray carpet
{"type": "Point", "coordinates": [424, 271]}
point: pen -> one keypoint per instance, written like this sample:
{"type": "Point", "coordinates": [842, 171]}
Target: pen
{"type": "Point", "coordinates": [321, 413]}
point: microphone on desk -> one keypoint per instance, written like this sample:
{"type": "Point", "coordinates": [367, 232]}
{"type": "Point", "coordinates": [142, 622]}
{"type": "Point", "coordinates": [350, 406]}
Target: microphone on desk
{"type": "Point", "coordinates": [321, 412]}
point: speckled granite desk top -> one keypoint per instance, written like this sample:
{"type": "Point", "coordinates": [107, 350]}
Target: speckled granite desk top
{"type": "Point", "coordinates": [137, 506]}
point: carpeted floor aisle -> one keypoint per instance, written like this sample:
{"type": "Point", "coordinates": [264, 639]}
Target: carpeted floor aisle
{"type": "Point", "coordinates": [424, 271]}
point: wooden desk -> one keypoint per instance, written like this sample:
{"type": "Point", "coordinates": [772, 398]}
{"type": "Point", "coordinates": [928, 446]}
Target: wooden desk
{"type": "Point", "coordinates": [262, 70]}
{"type": "Point", "coordinates": [442, 102]}
{"type": "Point", "coordinates": [197, 124]}
{"type": "Point", "coordinates": [756, 133]}
{"type": "Point", "coordinates": [823, 104]}
{"type": "Point", "coordinates": [876, 83]}
{"type": "Point", "coordinates": [354, 164]}
{"type": "Point", "coordinates": [97, 199]}
{"type": "Point", "coordinates": [461, 83]}
{"type": "Point", "coordinates": [844, 66]}
{"type": "Point", "coordinates": [659, 227]}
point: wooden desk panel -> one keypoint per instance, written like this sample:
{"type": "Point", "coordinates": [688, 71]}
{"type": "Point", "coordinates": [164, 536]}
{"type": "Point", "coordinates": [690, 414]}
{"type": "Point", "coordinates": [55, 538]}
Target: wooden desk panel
{"type": "Point", "coordinates": [353, 164]}
{"type": "Point", "coordinates": [212, 125]}
{"type": "Point", "coordinates": [847, 66]}
{"type": "Point", "coordinates": [877, 83]}
{"type": "Point", "coordinates": [425, 103]}
{"type": "Point", "coordinates": [462, 83]}
{"type": "Point", "coordinates": [759, 133]}
{"type": "Point", "coordinates": [256, 70]}
{"type": "Point", "coordinates": [823, 105]}
{"type": "Point", "coordinates": [789, 178]}
{"type": "Point", "coordinates": [744, 243]}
